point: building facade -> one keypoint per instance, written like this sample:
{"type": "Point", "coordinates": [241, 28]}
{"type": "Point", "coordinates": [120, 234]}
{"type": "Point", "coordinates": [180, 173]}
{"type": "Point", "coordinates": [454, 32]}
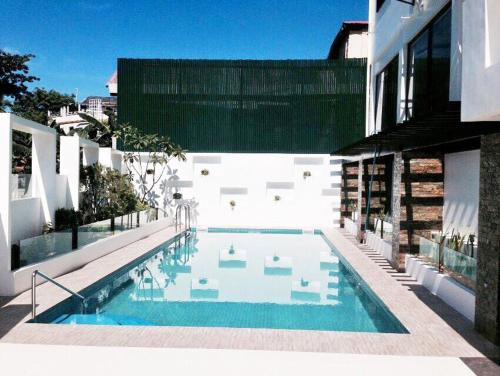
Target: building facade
{"type": "Point", "coordinates": [429, 161]}
{"type": "Point", "coordinates": [351, 42]}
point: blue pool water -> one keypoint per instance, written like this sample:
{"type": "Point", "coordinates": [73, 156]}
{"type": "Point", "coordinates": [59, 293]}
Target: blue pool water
{"type": "Point", "coordinates": [234, 278]}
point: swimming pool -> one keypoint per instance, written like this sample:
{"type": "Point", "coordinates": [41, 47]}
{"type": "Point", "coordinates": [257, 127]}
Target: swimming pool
{"type": "Point", "coordinates": [240, 278]}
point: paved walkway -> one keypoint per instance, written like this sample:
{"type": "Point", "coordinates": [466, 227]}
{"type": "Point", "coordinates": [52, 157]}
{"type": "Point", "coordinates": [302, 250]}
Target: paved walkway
{"type": "Point", "coordinates": [39, 360]}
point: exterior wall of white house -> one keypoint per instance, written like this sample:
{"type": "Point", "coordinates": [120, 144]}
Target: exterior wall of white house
{"type": "Point", "coordinates": [461, 192]}
{"type": "Point", "coordinates": [475, 52]}
{"type": "Point", "coordinates": [391, 29]}
{"type": "Point", "coordinates": [357, 45]}
{"type": "Point", "coordinates": [253, 182]}
{"type": "Point", "coordinates": [70, 164]}
{"type": "Point", "coordinates": [481, 61]}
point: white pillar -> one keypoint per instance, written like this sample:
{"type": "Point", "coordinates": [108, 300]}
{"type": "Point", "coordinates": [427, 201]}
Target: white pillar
{"type": "Point", "coordinates": [44, 173]}
{"type": "Point", "coordinates": [5, 215]}
{"type": "Point", "coordinates": [90, 156]}
{"type": "Point", "coordinates": [70, 166]}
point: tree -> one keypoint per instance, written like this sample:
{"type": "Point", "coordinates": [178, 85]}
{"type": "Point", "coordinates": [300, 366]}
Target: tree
{"type": "Point", "coordinates": [97, 131]}
{"type": "Point", "coordinates": [146, 157]}
{"type": "Point", "coordinates": [106, 193]}
{"type": "Point", "coordinates": [36, 104]}
{"type": "Point", "coordinates": [14, 76]}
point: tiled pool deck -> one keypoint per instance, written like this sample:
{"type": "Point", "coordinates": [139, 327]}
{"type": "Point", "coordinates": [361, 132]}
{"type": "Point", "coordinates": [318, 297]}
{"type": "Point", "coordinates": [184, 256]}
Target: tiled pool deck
{"type": "Point", "coordinates": [430, 322]}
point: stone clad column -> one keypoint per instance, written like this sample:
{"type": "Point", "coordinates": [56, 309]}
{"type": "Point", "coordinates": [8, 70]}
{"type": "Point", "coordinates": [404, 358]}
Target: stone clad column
{"type": "Point", "coordinates": [396, 207]}
{"type": "Point", "coordinates": [487, 317]}
{"type": "Point", "coordinates": [359, 219]}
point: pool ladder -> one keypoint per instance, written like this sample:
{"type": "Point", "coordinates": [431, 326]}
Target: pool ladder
{"type": "Point", "coordinates": [47, 278]}
{"type": "Point", "coordinates": [187, 217]}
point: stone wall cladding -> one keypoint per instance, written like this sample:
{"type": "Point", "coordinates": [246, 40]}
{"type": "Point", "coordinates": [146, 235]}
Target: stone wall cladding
{"type": "Point", "coordinates": [422, 199]}
{"type": "Point", "coordinates": [487, 319]}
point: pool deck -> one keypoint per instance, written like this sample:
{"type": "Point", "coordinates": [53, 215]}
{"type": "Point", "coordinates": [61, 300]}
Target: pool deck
{"type": "Point", "coordinates": [435, 328]}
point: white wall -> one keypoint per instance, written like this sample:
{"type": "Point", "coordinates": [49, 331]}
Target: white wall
{"type": "Point", "coordinates": [461, 192]}
{"type": "Point", "coordinates": [70, 164]}
{"type": "Point", "coordinates": [252, 181]}
{"type": "Point", "coordinates": [61, 191]}
{"type": "Point", "coordinates": [481, 60]}
{"type": "Point", "coordinates": [111, 158]}
{"type": "Point", "coordinates": [5, 207]}
{"type": "Point", "coordinates": [27, 219]}
{"type": "Point", "coordinates": [357, 46]}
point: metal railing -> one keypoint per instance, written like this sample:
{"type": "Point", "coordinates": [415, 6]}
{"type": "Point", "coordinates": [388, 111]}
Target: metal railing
{"type": "Point", "coordinates": [187, 216]}
{"type": "Point", "coordinates": [47, 278]}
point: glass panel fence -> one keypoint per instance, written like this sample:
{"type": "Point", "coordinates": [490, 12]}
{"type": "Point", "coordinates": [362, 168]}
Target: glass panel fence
{"type": "Point", "coordinates": [39, 248]}
{"type": "Point", "coordinates": [383, 229]}
{"type": "Point", "coordinates": [457, 264]}
{"type": "Point", "coordinates": [428, 249]}
{"type": "Point", "coordinates": [460, 263]}
{"type": "Point", "coordinates": [93, 232]}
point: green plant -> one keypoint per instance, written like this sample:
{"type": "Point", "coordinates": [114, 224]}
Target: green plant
{"type": "Point", "coordinates": [14, 76]}
{"type": "Point", "coordinates": [106, 193]}
{"type": "Point", "coordinates": [47, 228]}
{"type": "Point", "coordinates": [381, 215]}
{"type": "Point", "coordinates": [98, 131]}
{"type": "Point", "coordinates": [457, 241]}
{"type": "Point", "coordinates": [66, 218]}
{"type": "Point", "coordinates": [155, 150]}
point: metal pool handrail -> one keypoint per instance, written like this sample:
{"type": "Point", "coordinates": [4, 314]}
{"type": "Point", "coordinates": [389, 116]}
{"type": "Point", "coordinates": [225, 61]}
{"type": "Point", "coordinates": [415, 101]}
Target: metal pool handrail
{"type": "Point", "coordinates": [187, 216]}
{"type": "Point", "coordinates": [47, 278]}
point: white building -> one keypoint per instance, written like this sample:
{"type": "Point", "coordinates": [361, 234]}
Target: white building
{"type": "Point", "coordinates": [432, 135]}
{"type": "Point", "coordinates": [351, 42]}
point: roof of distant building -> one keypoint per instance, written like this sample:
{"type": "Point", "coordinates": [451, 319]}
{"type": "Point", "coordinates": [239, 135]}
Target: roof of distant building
{"type": "Point", "coordinates": [345, 29]}
{"type": "Point", "coordinates": [105, 100]}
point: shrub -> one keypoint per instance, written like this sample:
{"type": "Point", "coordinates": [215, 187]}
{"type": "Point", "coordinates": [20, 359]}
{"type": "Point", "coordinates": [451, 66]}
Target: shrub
{"type": "Point", "coordinates": [105, 193]}
{"type": "Point", "coordinates": [66, 218]}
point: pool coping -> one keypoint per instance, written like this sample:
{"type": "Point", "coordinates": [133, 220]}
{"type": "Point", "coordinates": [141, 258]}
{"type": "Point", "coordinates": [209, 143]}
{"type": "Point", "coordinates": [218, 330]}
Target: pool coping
{"type": "Point", "coordinates": [429, 334]}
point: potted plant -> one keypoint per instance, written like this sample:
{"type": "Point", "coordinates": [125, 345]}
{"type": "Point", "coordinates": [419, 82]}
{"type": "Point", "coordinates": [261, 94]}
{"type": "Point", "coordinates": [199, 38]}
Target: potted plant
{"type": "Point", "coordinates": [381, 216]}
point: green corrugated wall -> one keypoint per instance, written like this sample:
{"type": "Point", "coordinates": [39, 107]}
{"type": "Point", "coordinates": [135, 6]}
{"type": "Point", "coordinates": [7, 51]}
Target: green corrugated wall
{"type": "Point", "coordinates": [252, 106]}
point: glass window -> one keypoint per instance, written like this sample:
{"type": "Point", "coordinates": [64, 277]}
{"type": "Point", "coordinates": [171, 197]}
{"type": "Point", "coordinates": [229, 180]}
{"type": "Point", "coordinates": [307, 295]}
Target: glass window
{"type": "Point", "coordinates": [386, 97]}
{"type": "Point", "coordinates": [429, 69]}
{"type": "Point", "coordinates": [379, 4]}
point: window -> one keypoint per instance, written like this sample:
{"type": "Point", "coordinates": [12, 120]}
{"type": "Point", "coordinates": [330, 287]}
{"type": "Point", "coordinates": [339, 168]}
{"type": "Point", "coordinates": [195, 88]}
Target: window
{"type": "Point", "coordinates": [428, 83]}
{"type": "Point", "coordinates": [379, 4]}
{"type": "Point", "coordinates": [386, 97]}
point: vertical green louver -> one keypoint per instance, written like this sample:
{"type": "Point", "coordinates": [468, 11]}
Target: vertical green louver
{"type": "Point", "coordinates": [247, 106]}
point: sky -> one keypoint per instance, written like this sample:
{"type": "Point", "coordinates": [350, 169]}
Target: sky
{"type": "Point", "coordinates": [77, 42]}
